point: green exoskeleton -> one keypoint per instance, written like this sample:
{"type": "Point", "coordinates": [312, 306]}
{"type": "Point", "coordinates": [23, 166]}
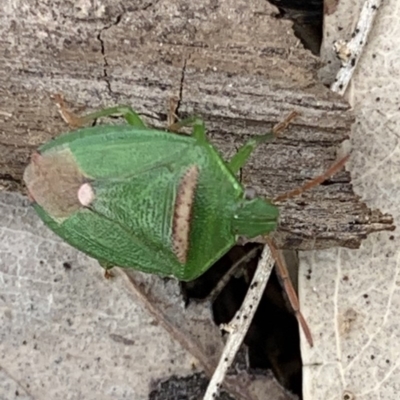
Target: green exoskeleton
{"type": "Point", "coordinates": [147, 199]}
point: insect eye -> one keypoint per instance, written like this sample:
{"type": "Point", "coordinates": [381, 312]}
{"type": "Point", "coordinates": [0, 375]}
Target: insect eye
{"type": "Point", "coordinates": [250, 193]}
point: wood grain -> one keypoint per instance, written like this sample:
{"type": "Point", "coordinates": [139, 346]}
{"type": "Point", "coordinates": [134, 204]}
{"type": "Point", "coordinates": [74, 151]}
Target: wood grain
{"type": "Point", "coordinates": [231, 62]}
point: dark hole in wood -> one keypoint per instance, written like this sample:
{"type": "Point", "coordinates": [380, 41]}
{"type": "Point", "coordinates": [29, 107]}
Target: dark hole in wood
{"type": "Point", "coordinates": [307, 17]}
{"type": "Point", "coordinates": [273, 339]}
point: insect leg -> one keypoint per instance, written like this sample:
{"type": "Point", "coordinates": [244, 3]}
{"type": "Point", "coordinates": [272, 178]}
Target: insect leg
{"type": "Point", "coordinates": [75, 121]}
{"type": "Point", "coordinates": [107, 266]}
{"type": "Point", "coordinates": [242, 155]}
{"type": "Point", "coordinates": [286, 283]}
{"type": "Point", "coordinates": [199, 130]}
{"type": "Point", "coordinates": [189, 121]}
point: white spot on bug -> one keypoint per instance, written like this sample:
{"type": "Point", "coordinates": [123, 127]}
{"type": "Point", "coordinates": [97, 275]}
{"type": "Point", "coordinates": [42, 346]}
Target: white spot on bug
{"type": "Point", "coordinates": [85, 194]}
{"type": "Point", "coordinates": [183, 212]}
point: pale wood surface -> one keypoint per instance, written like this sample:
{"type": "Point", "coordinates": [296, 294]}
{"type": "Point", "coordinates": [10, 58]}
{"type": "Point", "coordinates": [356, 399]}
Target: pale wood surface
{"type": "Point", "coordinates": [230, 62]}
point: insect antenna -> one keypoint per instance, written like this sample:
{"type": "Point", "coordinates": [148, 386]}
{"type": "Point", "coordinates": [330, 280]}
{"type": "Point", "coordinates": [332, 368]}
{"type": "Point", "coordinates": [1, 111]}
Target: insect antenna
{"type": "Point", "coordinates": [282, 271]}
{"type": "Point", "coordinates": [315, 181]}
{"type": "Point", "coordinates": [286, 283]}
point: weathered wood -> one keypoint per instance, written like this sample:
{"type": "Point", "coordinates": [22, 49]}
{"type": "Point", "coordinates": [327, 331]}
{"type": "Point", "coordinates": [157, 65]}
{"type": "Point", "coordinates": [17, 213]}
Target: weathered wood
{"type": "Point", "coordinates": [230, 62]}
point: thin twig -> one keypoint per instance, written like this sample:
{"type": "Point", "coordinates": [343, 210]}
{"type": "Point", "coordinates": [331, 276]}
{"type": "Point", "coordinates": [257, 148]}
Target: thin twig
{"type": "Point", "coordinates": [351, 51]}
{"type": "Point", "coordinates": [160, 317]}
{"type": "Point", "coordinates": [239, 325]}
{"type": "Point", "coordinates": [189, 343]}
{"type": "Point", "coordinates": [228, 275]}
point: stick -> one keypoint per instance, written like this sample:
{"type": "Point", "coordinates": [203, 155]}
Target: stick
{"type": "Point", "coordinates": [350, 52]}
{"type": "Point", "coordinates": [239, 325]}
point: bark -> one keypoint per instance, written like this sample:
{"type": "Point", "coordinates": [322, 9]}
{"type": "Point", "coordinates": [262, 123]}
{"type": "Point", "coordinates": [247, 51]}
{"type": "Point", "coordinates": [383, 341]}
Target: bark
{"type": "Point", "coordinates": [231, 62]}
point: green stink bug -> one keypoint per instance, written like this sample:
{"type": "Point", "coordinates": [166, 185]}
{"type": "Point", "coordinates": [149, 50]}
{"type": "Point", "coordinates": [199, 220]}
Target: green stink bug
{"type": "Point", "coordinates": [151, 200]}
{"type": "Point", "coordinates": [141, 198]}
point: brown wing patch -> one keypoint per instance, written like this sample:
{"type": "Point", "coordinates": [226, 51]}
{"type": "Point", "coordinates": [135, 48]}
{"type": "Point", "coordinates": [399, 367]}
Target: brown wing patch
{"type": "Point", "coordinates": [183, 213]}
{"type": "Point", "coordinates": [53, 181]}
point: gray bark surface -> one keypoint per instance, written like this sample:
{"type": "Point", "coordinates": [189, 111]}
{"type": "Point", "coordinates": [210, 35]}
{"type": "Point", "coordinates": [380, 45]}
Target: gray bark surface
{"type": "Point", "coordinates": [231, 62]}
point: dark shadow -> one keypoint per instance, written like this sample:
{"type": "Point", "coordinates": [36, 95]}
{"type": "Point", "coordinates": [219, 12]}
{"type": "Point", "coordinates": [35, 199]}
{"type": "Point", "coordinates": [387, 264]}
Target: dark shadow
{"type": "Point", "coordinates": [307, 17]}
{"type": "Point", "coordinates": [273, 339]}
